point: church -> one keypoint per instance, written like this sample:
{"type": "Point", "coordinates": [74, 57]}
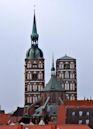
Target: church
{"type": "Point", "coordinates": [62, 85]}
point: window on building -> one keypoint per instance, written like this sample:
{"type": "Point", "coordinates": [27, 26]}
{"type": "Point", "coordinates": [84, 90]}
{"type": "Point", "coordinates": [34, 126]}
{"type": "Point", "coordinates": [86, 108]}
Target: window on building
{"type": "Point", "coordinates": [29, 75]}
{"type": "Point", "coordinates": [73, 113]}
{"type": "Point", "coordinates": [87, 113]}
{"type": "Point", "coordinates": [61, 65]}
{"type": "Point", "coordinates": [29, 99]}
{"type": "Point", "coordinates": [62, 85]}
{"type": "Point", "coordinates": [72, 86]}
{"type": "Point", "coordinates": [71, 75]}
{"type": "Point", "coordinates": [67, 85]}
{"type": "Point", "coordinates": [29, 87]}
{"type": "Point", "coordinates": [66, 65]}
{"type": "Point", "coordinates": [40, 75]}
{"type": "Point", "coordinates": [34, 65]}
{"type": "Point", "coordinates": [34, 76]}
{"type": "Point", "coordinates": [34, 87]}
{"type": "Point", "coordinates": [61, 75]}
{"type": "Point", "coordinates": [67, 96]}
{"type": "Point", "coordinates": [39, 87]}
{"type": "Point", "coordinates": [29, 65]}
{"type": "Point", "coordinates": [72, 97]}
{"type": "Point", "coordinates": [34, 99]}
{"type": "Point", "coordinates": [80, 121]}
{"type": "Point", "coordinates": [72, 65]}
{"type": "Point", "coordinates": [80, 113]}
{"type": "Point", "coordinates": [87, 121]}
{"type": "Point", "coordinates": [40, 65]}
{"type": "Point", "coordinates": [66, 74]}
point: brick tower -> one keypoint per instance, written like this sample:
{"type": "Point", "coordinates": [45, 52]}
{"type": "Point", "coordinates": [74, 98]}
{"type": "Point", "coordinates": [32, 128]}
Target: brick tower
{"type": "Point", "coordinates": [34, 69]}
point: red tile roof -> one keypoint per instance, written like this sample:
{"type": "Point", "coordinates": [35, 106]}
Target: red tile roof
{"type": "Point", "coordinates": [44, 127]}
{"type": "Point", "coordinates": [79, 103]}
{"type": "Point", "coordinates": [68, 126]}
{"type": "Point", "coordinates": [4, 118]}
{"type": "Point", "coordinates": [27, 127]}
{"type": "Point", "coordinates": [10, 127]}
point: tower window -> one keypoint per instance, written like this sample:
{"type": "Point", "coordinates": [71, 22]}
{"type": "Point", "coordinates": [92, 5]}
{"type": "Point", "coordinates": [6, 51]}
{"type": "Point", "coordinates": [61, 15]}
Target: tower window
{"type": "Point", "coordinates": [66, 85]}
{"type": "Point", "coordinates": [40, 75]}
{"type": "Point", "coordinates": [72, 97]}
{"type": "Point", "coordinates": [72, 86]}
{"type": "Point", "coordinates": [61, 75]}
{"type": "Point", "coordinates": [34, 66]}
{"type": "Point", "coordinates": [62, 85]}
{"type": "Point", "coordinates": [29, 87]}
{"type": "Point", "coordinates": [61, 65]}
{"type": "Point", "coordinates": [66, 74]}
{"type": "Point", "coordinates": [67, 96]}
{"type": "Point", "coordinates": [34, 76]}
{"type": "Point", "coordinates": [67, 66]}
{"type": "Point", "coordinates": [72, 65]}
{"type": "Point", "coordinates": [29, 99]}
{"type": "Point", "coordinates": [80, 121]}
{"type": "Point", "coordinates": [29, 75]}
{"type": "Point", "coordinates": [28, 65]}
{"type": "Point", "coordinates": [34, 98]}
{"type": "Point", "coordinates": [40, 65]}
{"type": "Point", "coordinates": [34, 87]}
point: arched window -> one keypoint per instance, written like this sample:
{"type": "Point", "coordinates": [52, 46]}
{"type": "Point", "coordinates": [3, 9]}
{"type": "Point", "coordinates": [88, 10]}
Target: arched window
{"type": "Point", "coordinates": [34, 87]}
{"type": "Point", "coordinates": [29, 75]}
{"type": "Point", "coordinates": [40, 75]}
{"type": "Point", "coordinates": [72, 97]}
{"type": "Point", "coordinates": [67, 85]}
{"type": "Point", "coordinates": [61, 65]}
{"type": "Point", "coordinates": [29, 65]}
{"type": "Point", "coordinates": [72, 86]}
{"type": "Point", "coordinates": [72, 65]}
{"type": "Point", "coordinates": [40, 65]}
{"type": "Point", "coordinates": [62, 85]}
{"type": "Point", "coordinates": [34, 98]}
{"type": "Point", "coordinates": [29, 99]}
{"type": "Point", "coordinates": [66, 74]}
{"type": "Point", "coordinates": [67, 96]}
{"type": "Point", "coordinates": [61, 75]}
{"type": "Point", "coordinates": [39, 87]}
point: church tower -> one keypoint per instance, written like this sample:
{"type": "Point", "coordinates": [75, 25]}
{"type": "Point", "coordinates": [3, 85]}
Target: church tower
{"type": "Point", "coordinates": [34, 69]}
{"type": "Point", "coordinates": [67, 74]}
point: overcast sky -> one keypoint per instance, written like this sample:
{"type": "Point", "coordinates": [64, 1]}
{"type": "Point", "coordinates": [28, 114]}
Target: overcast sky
{"type": "Point", "coordinates": [64, 27]}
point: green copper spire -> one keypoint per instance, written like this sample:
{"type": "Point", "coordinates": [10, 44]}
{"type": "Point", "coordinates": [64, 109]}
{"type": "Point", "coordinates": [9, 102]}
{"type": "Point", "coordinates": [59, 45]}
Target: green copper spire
{"type": "Point", "coordinates": [34, 35]}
